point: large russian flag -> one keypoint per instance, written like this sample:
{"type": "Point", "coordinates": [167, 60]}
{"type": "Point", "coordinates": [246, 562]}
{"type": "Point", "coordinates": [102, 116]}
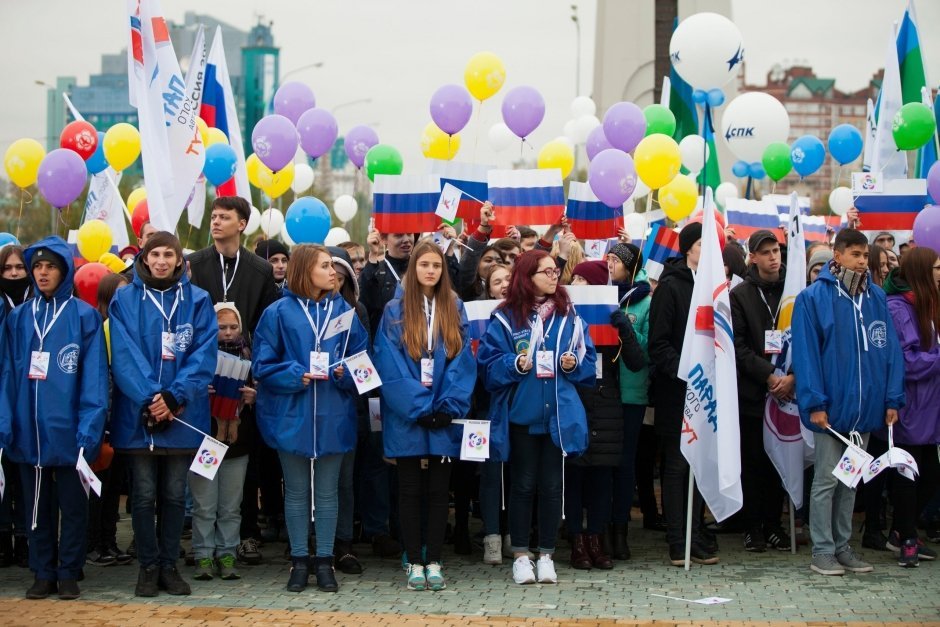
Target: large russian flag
{"type": "Point", "coordinates": [595, 303]}
{"type": "Point", "coordinates": [748, 216]}
{"type": "Point", "coordinates": [895, 208]}
{"type": "Point", "coordinates": [469, 178]}
{"type": "Point", "coordinates": [526, 197]}
{"type": "Point", "coordinates": [588, 217]}
{"type": "Point", "coordinates": [406, 203]}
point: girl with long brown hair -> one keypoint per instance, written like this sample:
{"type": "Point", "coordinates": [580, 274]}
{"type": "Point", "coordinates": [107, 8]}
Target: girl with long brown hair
{"type": "Point", "coordinates": [423, 355]}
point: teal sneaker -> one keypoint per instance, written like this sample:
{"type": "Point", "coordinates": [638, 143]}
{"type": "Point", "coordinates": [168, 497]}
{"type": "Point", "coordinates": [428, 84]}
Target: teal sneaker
{"type": "Point", "coordinates": [416, 579]}
{"type": "Point", "coordinates": [435, 577]}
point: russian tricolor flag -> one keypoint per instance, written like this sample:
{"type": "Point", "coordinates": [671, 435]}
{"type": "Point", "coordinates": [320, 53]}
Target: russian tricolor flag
{"type": "Point", "coordinates": [526, 197]}
{"type": "Point", "coordinates": [469, 178]}
{"type": "Point", "coordinates": [748, 216]}
{"type": "Point", "coordinates": [588, 217]}
{"type": "Point", "coordinates": [594, 304]}
{"type": "Point", "coordinates": [661, 244]}
{"type": "Point", "coordinates": [478, 316]}
{"type": "Point", "coordinates": [895, 208]}
{"type": "Point", "coordinates": [406, 203]}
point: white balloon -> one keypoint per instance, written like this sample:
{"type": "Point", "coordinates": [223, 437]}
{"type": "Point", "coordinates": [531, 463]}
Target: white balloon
{"type": "Point", "coordinates": [303, 178]}
{"type": "Point", "coordinates": [570, 131]}
{"type": "Point", "coordinates": [500, 137]}
{"type": "Point", "coordinates": [336, 236]}
{"type": "Point", "coordinates": [707, 50]}
{"type": "Point", "coordinates": [583, 126]}
{"type": "Point", "coordinates": [566, 140]}
{"type": "Point", "coordinates": [841, 200]}
{"type": "Point", "coordinates": [272, 221]}
{"type": "Point", "coordinates": [752, 122]}
{"type": "Point", "coordinates": [725, 191]}
{"type": "Point", "coordinates": [635, 225]}
{"type": "Point", "coordinates": [583, 105]}
{"type": "Point", "coordinates": [254, 221]}
{"type": "Point", "coordinates": [694, 153]}
{"type": "Point", "coordinates": [640, 191]}
{"type": "Point", "coordinates": [345, 208]}
{"type": "Point", "coordinates": [285, 236]}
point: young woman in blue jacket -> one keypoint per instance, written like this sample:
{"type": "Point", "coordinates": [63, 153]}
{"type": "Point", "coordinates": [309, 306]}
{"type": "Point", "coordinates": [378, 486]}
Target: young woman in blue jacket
{"type": "Point", "coordinates": [306, 405]}
{"type": "Point", "coordinates": [423, 355]}
{"type": "Point", "coordinates": [533, 392]}
{"type": "Point", "coordinates": [163, 358]}
{"type": "Point", "coordinates": [52, 411]}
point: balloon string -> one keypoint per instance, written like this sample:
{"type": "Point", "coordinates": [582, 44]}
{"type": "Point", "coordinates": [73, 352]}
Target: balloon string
{"type": "Point", "coordinates": [476, 137]}
{"type": "Point", "coordinates": [649, 202]}
{"type": "Point", "coordinates": [23, 195]}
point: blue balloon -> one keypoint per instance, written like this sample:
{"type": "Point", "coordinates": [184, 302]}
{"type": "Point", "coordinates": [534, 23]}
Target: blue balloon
{"type": "Point", "coordinates": [716, 97]}
{"type": "Point", "coordinates": [220, 164]}
{"type": "Point", "coordinates": [699, 96]}
{"type": "Point", "coordinates": [8, 238]}
{"type": "Point", "coordinates": [845, 143]}
{"type": "Point", "coordinates": [807, 154]}
{"type": "Point", "coordinates": [740, 169]}
{"type": "Point", "coordinates": [307, 220]}
{"type": "Point", "coordinates": [756, 171]}
{"type": "Point", "coordinates": [97, 163]}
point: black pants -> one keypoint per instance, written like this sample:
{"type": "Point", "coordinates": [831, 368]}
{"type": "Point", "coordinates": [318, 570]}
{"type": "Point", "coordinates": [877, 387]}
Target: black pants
{"type": "Point", "coordinates": [675, 472]}
{"type": "Point", "coordinates": [646, 471]}
{"type": "Point", "coordinates": [910, 497]}
{"type": "Point", "coordinates": [466, 487]}
{"type": "Point", "coordinates": [760, 483]}
{"type": "Point", "coordinates": [413, 482]}
{"type": "Point", "coordinates": [103, 511]}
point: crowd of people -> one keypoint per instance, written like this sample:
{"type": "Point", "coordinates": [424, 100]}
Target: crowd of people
{"type": "Point", "coordinates": [575, 431]}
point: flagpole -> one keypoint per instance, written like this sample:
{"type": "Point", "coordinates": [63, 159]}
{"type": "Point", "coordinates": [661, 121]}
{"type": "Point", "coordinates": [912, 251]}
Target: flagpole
{"type": "Point", "coordinates": [792, 528]}
{"type": "Point", "coordinates": [688, 521]}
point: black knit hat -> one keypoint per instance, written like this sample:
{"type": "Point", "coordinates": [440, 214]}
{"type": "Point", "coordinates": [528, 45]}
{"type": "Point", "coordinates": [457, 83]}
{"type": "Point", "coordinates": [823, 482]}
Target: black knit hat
{"type": "Point", "coordinates": [48, 255]}
{"type": "Point", "coordinates": [626, 253]}
{"type": "Point", "coordinates": [690, 233]}
{"type": "Point", "coordinates": [267, 248]}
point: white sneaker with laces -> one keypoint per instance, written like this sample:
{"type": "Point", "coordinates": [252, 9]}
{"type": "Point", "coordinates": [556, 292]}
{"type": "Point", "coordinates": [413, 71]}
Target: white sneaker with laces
{"type": "Point", "coordinates": [523, 570]}
{"type": "Point", "coordinates": [546, 570]}
{"type": "Point", "coordinates": [492, 549]}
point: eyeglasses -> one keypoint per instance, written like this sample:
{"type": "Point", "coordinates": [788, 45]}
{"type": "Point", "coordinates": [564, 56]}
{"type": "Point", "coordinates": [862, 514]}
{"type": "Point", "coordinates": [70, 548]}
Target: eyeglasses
{"type": "Point", "coordinates": [551, 273]}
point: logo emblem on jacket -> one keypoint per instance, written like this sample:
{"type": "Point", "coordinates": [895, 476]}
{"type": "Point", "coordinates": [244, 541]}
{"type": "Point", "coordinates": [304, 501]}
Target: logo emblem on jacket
{"type": "Point", "coordinates": [878, 334]}
{"type": "Point", "coordinates": [68, 359]}
{"type": "Point", "coordinates": [184, 337]}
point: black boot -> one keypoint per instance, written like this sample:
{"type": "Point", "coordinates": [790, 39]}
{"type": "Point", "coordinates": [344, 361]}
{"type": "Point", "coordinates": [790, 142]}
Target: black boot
{"type": "Point", "coordinates": [326, 579]}
{"type": "Point", "coordinates": [346, 561]}
{"type": "Point", "coordinates": [619, 547]}
{"type": "Point", "coordinates": [147, 582]}
{"type": "Point", "coordinates": [170, 580]}
{"type": "Point", "coordinates": [41, 588]}
{"type": "Point", "coordinates": [298, 574]}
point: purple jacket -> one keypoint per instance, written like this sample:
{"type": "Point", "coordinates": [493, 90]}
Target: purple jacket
{"type": "Point", "coordinates": [919, 420]}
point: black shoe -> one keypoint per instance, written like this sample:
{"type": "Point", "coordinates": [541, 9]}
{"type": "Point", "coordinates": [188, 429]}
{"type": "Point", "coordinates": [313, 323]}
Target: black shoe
{"type": "Point", "coordinates": [619, 548]}
{"type": "Point", "coordinates": [875, 540]}
{"type": "Point", "coordinates": [654, 522]}
{"type": "Point", "coordinates": [121, 557]}
{"type": "Point", "coordinates": [462, 544]}
{"type": "Point", "coordinates": [701, 555]}
{"type": "Point", "coordinates": [100, 557]}
{"type": "Point", "coordinates": [346, 561]}
{"type": "Point", "coordinates": [677, 554]}
{"type": "Point", "coordinates": [326, 578]}
{"type": "Point", "coordinates": [299, 574]}
{"type": "Point", "coordinates": [147, 582]}
{"type": "Point", "coordinates": [40, 589]}
{"type": "Point", "coordinates": [385, 546]}
{"type": "Point", "coordinates": [68, 590]}
{"type": "Point", "coordinates": [171, 581]}
{"type": "Point", "coordinates": [249, 552]}
{"type": "Point", "coordinates": [777, 539]}
{"type": "Point", "coordinates": [21, 551]}
{"type": "Point", "coordinates": [754, 542]}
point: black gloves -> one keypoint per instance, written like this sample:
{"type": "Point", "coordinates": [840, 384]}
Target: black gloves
{"type": "Point", "coordinates": [151, 424]}
{"type": "Point", "coordinates": [437, 420]}
{"type": "Point", "coordinates": [620, 320]}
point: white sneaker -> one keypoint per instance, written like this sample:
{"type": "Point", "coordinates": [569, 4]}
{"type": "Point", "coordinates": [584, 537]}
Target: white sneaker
{"type": "Point", "coordinates": [492, 549]}
{"type": "Point", "coordinates": [546, 570]}
{"type": "Point", "coordinates": [523, 570]}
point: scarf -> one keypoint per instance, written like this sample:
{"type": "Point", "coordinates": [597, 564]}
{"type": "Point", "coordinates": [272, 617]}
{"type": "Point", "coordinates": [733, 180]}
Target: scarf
{"type": "Point", "coordinates": [544, 309]}
{"type": "Point", "coordinates": [853, 282]}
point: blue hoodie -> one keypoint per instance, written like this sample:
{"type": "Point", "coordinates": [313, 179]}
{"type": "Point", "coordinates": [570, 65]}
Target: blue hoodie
{"type": "Point", "coordinates": [140, 372]}
{"type": "Point", "coordinates": [405, 399]}
{"type": "Point", "coordinates": [847, 362]}
{"type": "Point", "coordinates": [313, 420]}
{"type": "Point", "coordinates": [46, 422]}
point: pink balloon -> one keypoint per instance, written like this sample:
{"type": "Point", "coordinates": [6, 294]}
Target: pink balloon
{"type": "Point", "coordinates": [451, 108]}
{"type": "Point", "coordinates": [927, 227]}
{"type": "Point", "coordinates": [62, 176]}
{"type": "Point", "coordinates": [274, 140]}
{"type": "Point", "coordinates": [318, 130]}
{"type": "Point", "coordinates": [596, 142]}
{"type": "Point", "coordinates": [624, 126]}
{"type": "Point", "coordinates": [612, 177]}
{"type": "Point", "coordinates": [292, 99]}
{"type": "Point", "coordinates": [523, 110]}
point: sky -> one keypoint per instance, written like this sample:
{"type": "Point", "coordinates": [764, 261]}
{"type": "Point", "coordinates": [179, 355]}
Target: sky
{"type": "Point", "coordinates": [397, 53]}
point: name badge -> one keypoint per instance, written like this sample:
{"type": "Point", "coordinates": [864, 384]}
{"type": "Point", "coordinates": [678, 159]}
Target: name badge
{"type": "Point", "coordinates": [599, 368]}
{"type": "Point", "coordinates": [167, 346]}
{"type": "Point", "coordinates": [38, 365]}
{"type": "Point", "coordinates": [319, 365]}
{"type": "Point", "coordinates": [773, 342]}
{"type": "Point", "coordinates": [427, 372]}
{"type": "Point", "coordinates": [545, 364]}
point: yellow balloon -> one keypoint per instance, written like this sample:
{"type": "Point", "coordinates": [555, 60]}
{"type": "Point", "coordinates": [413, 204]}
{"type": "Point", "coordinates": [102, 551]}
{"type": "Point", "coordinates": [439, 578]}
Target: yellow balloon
{"type": "Point", "coordinates": [436, 144]}
{"type": "Point", "coordinates": [94, 239]}
{"type": "Point", "coordinates": [214, 136]}
{"type": "Point", "coordinates": [121, 146]}
{"type": "Point", "coordinates": [484, 75]}
{"type": "Point", "coordinates": [203, 130]}
{"type": "Point", "coordinates": [556, 154]}
{"type": "Point", "coordinates": [677, 198]}
{"type": "Point", "coordinates": [113, 262]}
{"type": "Point", "coordinates": [22, 160]}
{"type": "Point", "coordinates": [657, 160]}
{"type": "Point", "coordinates": [253, 165]}
{"type": "Point", "coordinates": [274, 184]}
{"type": "Point", "coordinates": [135, 197]}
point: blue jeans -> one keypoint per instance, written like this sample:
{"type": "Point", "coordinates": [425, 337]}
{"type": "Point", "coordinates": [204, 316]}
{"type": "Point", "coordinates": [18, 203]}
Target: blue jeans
{"type": "Point", "coordinates": [625, 473]}
{"type": "Point", "coordinates": [536, 471]}
{"type": "Point", "coordinates": [832, 502]}
{"type": "Point", "coordinates": [491, 495]}
{"type": "Point", "coordinates": [297, 501]}
{"type": "Point", "coordinates": [168, 474]}
{"type": "Point", "coordinates": [217, 515]}
{"type": "Point", "coordinates": [374, 482]}
{"type": "Point", "coordinates": [347, 497]}
{"type": "Point", "coordinates": [587, 487]}
{"type": "Point", "coordinates": [55, 556]}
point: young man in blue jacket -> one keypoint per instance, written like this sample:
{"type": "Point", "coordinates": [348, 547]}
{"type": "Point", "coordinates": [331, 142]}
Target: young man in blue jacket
{"type": "Point", "coordinates": [850, 379]}
{"type": "Point", "coordinates": [52, 411]}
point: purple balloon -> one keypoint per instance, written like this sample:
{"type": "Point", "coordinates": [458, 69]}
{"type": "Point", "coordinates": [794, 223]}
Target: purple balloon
{"type": "Point", "coordinates": [359, 140]}
{"type": "Point", "coordinates": [318, 130]}
{"type": "Point", "coordinates": [292, 99]}
{"type": "Point", "coordinates": [274, 140]}
{"type": "Point", "coordinates": [927, 227]}
{"type": "Point", "coordinates": [624, 126]}
{"type": "Point", "coordinates": [62, 176]}
{"type": "Point", "coordinates": [451, 108]}
{"type": "Point", "coordinates": [596, 142]}
{"type": "Point", "coordinates": [523, 110]}
{"type": "Point", "coordinates": [612, 177]}
{"type": "Point", "coordinates": [933, 183]}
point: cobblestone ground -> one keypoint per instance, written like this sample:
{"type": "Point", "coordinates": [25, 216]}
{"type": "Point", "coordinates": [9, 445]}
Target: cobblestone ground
{"type": "Point", "coordinates": [767, 588]}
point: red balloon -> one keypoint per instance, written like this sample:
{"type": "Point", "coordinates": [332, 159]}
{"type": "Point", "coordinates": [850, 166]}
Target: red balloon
{"type": "Point", "coordinates": [80, 137]}
{"type": "Point", "coordinates": [140, 216]}
{"type": "Point", "coordinates": [86, 281]}
{"type": "Point", "coordinates": [719, 224]}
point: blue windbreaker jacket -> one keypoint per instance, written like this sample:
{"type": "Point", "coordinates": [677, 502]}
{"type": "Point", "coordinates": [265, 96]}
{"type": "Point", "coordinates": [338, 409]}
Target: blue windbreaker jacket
{"type": "Point", "coordinates": [320, 418]}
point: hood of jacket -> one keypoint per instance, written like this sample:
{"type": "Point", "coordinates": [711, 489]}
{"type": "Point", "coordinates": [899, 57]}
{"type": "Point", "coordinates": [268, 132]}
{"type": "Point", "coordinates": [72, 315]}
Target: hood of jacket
{"type": "Point", "coordinates": [676, 269]}
{"type": "Point", "coordinates": [59, 247]}
{"type": "Point", "coordinates": [144, 278]}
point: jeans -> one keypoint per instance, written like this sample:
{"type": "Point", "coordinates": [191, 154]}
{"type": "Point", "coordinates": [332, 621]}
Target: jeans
{"type": "Point", "coordinates": [374, 485]}
{"type": "Point", "coordinates": [166, 473]}
{"type": "Point", "coordinates": [14, 510]}
{"type": "Point", "coordinates": [624, 475]}
{"type": "Point", "coordinates": [675, 484]}
{"type": "Point", "coordinates": [830, 514]}
{"type": "Point", "coordinates": [590, 488]}
{"type": "Point", "coordinates": [55, 555]}
{"type": "Point", "coordinates": [760, 483]}
{"type": "Point", "coordinates": [491, 496]}
{"type": "Point", "coordinates": [347, 497]}
{"type": "Point", "coordinates": [217, 513]}
{"type": "Point", "coordinates": [536, 470]}
{"type": "Point", "coordinates": [412, 482]}
{"type": "Point", "coordinates": [297, 501]}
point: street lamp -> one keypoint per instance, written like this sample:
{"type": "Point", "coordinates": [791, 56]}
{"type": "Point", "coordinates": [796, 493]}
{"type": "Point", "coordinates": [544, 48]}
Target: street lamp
{"type": "Point", "coordinates": [309, 66]}
{"type": "Point", "coordinates": [577, 70]}
{"type": "Point", "coordinates": [350, 104]}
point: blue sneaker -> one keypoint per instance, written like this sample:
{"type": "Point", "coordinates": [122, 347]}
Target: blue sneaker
{"type": "Point", "coordinates": [416, 579]}
{"type": "Point", "coordinates": [435, 577]}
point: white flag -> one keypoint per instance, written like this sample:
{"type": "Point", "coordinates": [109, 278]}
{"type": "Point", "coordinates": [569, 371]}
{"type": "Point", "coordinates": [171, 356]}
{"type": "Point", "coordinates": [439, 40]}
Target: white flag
{"type": "Point", "coordinates": [710, 438]}
{"type": "Point", "coordinates": [340, 324]}
{"type": "Point", "coordinates": [886, 160]}
{"type": "Point", "coordinates": [86, 475]}
{"type": "Point", "coordinates": [870, 127]}
{"type": "Point", "coordinates": [208, 458]}
{"type": "Point", "coordinates": [363, 372]}
{"type": "Point", "coordinates": [448, 203]}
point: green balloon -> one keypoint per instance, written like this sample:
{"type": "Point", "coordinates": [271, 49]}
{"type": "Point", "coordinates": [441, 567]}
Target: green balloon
{"type": "Point", "coordinates": [776, 160]}
{"type": "Point", "coordinates": [382, 159]}
{"type": "Point", "coordinates": [914, 125]}
{"type": "Point", "coordinates": [659, 119]}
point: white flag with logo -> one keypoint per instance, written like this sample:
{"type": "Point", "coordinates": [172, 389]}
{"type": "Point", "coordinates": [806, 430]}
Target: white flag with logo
{"type": "Point", "coordinates": [448, 203]}
{"type": "Point", "coordinates": [339, 324]}
{"type": "Point", "coordinates": [208, 458]}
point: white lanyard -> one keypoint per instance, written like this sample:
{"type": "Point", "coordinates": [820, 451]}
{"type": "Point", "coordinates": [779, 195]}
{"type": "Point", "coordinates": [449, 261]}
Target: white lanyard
{"type": "Point", "coordinates": [55, 316]}
{"type": "Point", "coordinates": [9, 300]}
{"type": "Point", "coordinates": [627, 295]}
{"type": "Point", "coordinates": [159, 306]}
{"type": "Point", "coordinates": [226, 285]}
{"type": "Point", "coordinates": [318, 331]}
{"type": "Point", "coordinates": [429, 314]}
{"type": "Point", "coordinates": [392, 270]}
{"type": "Point", "coordinates": [773, 316]}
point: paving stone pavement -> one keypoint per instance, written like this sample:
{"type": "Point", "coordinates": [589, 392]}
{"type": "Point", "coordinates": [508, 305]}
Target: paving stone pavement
{"type": "Point", "coordinates": [767, 588]}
